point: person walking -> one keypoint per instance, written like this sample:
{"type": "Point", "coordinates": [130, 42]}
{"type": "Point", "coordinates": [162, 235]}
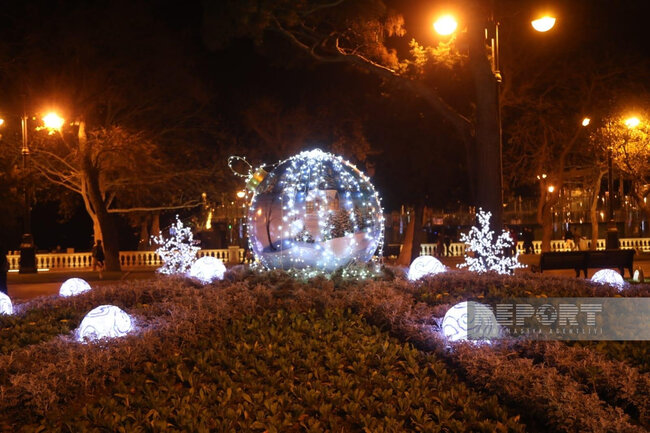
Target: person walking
{"type": "Point", "coordinates": [98, 257]}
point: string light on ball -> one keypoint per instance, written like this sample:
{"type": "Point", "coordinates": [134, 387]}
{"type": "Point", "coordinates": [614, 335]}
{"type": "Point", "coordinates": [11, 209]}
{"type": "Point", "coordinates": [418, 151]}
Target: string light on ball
{"type": "Point", "coordinates": [313, 212]}
{"type": "Point", "coordinates": [609, 276]}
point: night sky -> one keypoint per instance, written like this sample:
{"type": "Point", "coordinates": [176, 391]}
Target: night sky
{"type": "Point", "coordinates": [236, 75]}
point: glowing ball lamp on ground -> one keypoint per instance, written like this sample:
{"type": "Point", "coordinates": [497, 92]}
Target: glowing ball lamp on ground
{"type": "Point", "coordinates": [470, 321]}
{"type": "Point", "coordinates": [608, 276]}
{"type": "Point", "coordinates": [73, 287]}
{"type": "Point", "coordinates": [105, 321]}
{"type": "Point", "coordinates": [315, 211]}
{"type": "Point", "coordinates": [207, 269]}
{"type": "Point", "coordinates": [425, 265]}
{"type": "Point", "coordinates": [5, 304]}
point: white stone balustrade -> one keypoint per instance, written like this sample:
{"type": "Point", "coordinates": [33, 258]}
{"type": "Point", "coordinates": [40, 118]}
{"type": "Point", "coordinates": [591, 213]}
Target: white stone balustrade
{"type": "Point", "coordinates": [128, 259]}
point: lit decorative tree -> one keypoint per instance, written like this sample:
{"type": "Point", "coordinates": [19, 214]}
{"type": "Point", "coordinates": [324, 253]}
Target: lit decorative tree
{"type": "Point", "coordinates": [489, 255]}
{"type": "Point", "coordinates": [178, 252]}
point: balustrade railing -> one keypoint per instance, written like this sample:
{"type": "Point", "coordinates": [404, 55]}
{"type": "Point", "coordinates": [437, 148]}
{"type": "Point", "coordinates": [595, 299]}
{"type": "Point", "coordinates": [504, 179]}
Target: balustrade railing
{"type": "Point", "coordinates": [458, 249]}
{"type": "Point", "coordinates": [128, 259]}
{"type": "Point", "coordinates": [149, 259]}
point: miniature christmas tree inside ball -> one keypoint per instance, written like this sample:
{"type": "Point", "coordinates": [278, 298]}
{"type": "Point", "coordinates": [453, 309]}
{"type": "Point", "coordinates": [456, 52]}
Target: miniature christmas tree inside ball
{"type": "Point", "coordinates": [315, 210]}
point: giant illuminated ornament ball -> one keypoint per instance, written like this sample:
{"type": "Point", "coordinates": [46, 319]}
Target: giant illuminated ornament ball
{"type": "Point", "coordinates": [314, 211]}
{"type": "Point", "coordinates": [207, 269]}
{"type": "Point", "coordinates": [73, 287]}
{"type": "Point", "coordinates": [5, 304]}
{"type": "Point", "coordinates": [105, 321]}
{"type": "Point", "coordinates": [470, 321]}
{"type": "Point", "coordinates": [425, 265]}
{"type": "Point", "coordinates": [609, 276]}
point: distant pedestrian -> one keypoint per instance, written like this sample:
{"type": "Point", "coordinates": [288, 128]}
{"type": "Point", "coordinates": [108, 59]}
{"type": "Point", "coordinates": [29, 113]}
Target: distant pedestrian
{"type": "Point", "coordinates": [440, 246]}
{"type": "Point", "coordinates": [528, 241]}
{"type": "Point", "coordinates": [4, 268]}
{"type": "Point", "coordinates": [98, 257]}
{"type": "Point", "coordinates": [447, 245]}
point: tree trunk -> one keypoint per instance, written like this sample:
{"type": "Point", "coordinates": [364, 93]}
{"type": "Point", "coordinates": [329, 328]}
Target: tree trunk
{"type": "Point", "coordinates": [593, 214]}
{"type": "Point", "coordinates": [545, 215]}
{"type": "Point", "coordinates": [488, 128]}
{"type": "Point", "coordinates": [406, 252]}
{"type": "Point", "coordinates": [94, 197]}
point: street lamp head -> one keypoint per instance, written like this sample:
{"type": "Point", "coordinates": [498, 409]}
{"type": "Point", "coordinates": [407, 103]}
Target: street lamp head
{"type": "Point", "coordinates": [52, 121]}
{"type": "Point", "coordinates": [551, 188]}
{"type": "Point", "coordinates": [445, 25]}
{"type": "Point", "coordinates": [544, 23]}
{"type": "Point", "coordinates": [586, 121]}
{"type": "Point", "coordinates": [2, 121]}
{"type": "Point", "coordinates": [632, 122]}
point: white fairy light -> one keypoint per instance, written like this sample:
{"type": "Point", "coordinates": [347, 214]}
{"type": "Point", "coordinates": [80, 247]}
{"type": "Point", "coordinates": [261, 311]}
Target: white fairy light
{"type": "Point", "coordinates": [207, 269]}
{"type": "Point", "coordinates": [489, 255]}
{"type": "Point", "coordinates": [315, 212]}
{"type": "Point", "coordinates": [105, 321]}
{"type": "Point", "coordinates": [73, 287]}
{"type": "Point", "coordinates": [609, 276]}
{"type": "Point", "coordinates": [425, 265]}
{"type": "Point", "coordinates": [470, 321]}
{"type": "Point", "coordinates": [177, 252]}
{"type": "Point", "coordinates": [5, 304]}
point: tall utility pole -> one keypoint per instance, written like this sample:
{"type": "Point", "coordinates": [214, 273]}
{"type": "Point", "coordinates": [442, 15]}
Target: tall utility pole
{"type": "Point", "coordinates": [27, 262]}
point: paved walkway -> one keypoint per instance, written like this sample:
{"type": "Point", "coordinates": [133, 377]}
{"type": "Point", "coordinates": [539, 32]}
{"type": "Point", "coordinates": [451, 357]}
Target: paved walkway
{"type": "Point", "coordinates": [27, 286]}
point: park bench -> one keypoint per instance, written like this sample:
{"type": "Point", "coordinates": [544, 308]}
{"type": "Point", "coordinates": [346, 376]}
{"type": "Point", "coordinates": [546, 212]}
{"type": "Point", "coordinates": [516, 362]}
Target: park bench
{"type": "Point", "coordinates": [582, 260]}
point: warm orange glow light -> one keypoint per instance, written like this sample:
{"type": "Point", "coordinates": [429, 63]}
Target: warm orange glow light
{"type": "Point", "coordinates": [632, 122]}
{"type": "Point", "coordinates": [52, 121]}
{"type": "Point", "coordinates": [2, 121]}
{"type": "Point", "coordinates": [543, 24]}
{"type": "Point", "coordinates": [551, 188]}
{"type": "Point", "coordinates": [445, 25]}
{"type": "Point", "coordinates": [241, 194]}
{"type": "Point", "coordinates": [586, 121]}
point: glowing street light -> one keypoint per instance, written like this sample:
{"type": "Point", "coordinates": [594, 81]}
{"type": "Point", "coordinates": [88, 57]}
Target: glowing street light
{"type": "Point", "coordinates": [586, 121]}
{"type": "Point", "coordinates": [551, 188]}
{"type": "Point", "coordinates": [52, 121]}
{"type": "Point", "coordinates": [544, 23]}
{"type": "Point", "coordinates": [632, 122]}
{"type": "Point", "coordinates": [445, 25]}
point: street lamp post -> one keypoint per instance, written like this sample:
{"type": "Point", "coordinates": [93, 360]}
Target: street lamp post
{"type": "Point", "coordinates": [27, 262]}
{"type": "Point", "coordinates": [492, 187]}
{"type": "Point", "coordinates": [611, 242]}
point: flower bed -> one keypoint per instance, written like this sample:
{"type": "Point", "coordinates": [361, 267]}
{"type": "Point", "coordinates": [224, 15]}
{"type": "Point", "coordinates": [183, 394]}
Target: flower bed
{"type": "Point", "coordinates": [268, 352]}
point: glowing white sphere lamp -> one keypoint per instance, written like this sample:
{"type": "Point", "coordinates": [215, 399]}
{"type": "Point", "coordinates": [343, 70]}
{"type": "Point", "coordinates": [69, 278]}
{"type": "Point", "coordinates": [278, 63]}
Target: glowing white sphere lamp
{"type": "Point", "coordinates": [445, 25]}
{"type": "Point", "coordinates": [73, 287]}
{"type": "Point", "coordinates": [207, 269]}
{"type": "Point", "coordinates": [425, 265]}
{"type": "Point", "coordinates": [105, 321]}
{"type": "Point", "coordinates": [470, 321]}
{"type": "Point", "coordinates": [609, 276]}
{"type": "Point", "coordinates": [543, 24]}
{"type": "Point", "coordinates": [5, 304]}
